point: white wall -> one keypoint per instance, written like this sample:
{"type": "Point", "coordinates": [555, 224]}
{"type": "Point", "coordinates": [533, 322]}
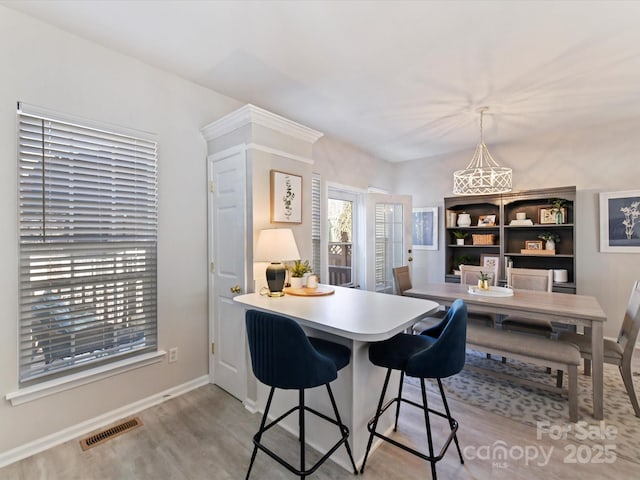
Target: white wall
{"type": "Point", "coordinates": [595, 160]}
{"type": "Point", "coordinates": [341, 163]}
{"type": "Point", "coordinates": [47, 67]}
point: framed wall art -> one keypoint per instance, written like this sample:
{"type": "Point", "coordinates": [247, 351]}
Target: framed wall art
{"type": "Point", "coordinates": [620, 221]}
{"type": "Point", "coordinates": [490, 260]}
{"type": "Point", "coordinates": [425, 228]}
{"type": "Point", "coordinates": [286, 197]}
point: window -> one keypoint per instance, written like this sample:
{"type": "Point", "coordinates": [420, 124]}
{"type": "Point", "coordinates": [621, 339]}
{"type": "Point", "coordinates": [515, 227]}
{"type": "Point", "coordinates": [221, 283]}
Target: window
{"type": "Point", "coordinates": [88, 244]}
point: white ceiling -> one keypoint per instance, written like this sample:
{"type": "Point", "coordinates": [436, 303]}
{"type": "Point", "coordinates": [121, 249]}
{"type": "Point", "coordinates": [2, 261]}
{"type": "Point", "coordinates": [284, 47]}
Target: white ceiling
{"type": "Point", "coordinates": [401, 80]}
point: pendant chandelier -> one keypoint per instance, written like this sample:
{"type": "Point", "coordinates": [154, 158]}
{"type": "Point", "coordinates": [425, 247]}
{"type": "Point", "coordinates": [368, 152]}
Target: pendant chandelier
{"type": "Point", "coordinates": [483, 175]}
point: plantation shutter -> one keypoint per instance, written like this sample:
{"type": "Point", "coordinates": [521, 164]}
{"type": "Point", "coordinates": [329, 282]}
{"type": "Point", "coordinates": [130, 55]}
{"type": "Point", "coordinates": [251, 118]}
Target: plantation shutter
{"type": "Point", "coordinates": [88, 244]}
{"type": "Point", "coordinates": [315, 224]}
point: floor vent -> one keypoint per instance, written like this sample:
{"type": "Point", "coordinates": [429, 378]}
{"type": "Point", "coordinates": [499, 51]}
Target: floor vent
{"type": "Point", "coordinates": [109, 433]}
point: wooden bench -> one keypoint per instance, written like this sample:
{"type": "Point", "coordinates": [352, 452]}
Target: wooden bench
{"type": "Point", "coordinates": [533, 349]}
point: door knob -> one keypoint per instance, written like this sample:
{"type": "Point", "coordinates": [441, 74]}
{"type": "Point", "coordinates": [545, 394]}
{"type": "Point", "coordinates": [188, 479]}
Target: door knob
{"type": "Point", "coordinates": [235, 289]}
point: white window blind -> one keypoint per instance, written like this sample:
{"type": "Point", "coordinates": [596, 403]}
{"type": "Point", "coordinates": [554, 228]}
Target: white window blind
{"type": "Point", "coordinates": [88, 245]}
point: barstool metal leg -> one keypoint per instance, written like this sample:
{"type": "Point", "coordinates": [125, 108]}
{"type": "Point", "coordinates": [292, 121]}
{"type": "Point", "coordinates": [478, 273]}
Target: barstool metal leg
{"type": "Point", "coordinates": [302, 438]}
{"type": "Point", "coordinates": [375, 421]}
{"type": "Point", "coordinates": [340, 427]}
{"type": "Point", "coordinates": [395, 427]}
{"type": "Point", "coordinates": [428, 425]}
{"type": "Point", "coordinates": [451, 425]}
{"type": "Point", "coordinates": [260, 430]}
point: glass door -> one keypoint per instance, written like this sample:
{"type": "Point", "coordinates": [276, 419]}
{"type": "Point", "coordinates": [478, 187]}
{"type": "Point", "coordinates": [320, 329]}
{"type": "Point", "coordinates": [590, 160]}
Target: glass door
{"type": "Point", "coordinates": [388, 238]}
{"type": "Point", "coordinates": [342, 233]}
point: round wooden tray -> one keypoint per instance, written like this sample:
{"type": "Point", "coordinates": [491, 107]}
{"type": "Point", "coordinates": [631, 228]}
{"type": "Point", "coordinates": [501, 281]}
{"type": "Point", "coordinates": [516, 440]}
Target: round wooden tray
{"type": "Point", "coordinates": [492, 292]}
{"type": "Point", "coordinates": [321, 291]}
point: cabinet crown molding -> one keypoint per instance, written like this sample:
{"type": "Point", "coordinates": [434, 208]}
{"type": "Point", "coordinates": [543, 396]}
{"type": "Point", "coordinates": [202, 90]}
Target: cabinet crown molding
{"type": "Point", "coordinates": [252, 114]}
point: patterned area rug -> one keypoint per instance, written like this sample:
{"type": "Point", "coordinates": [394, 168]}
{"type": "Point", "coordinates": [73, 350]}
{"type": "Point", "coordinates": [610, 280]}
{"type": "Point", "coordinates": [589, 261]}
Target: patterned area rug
{"type": "Point", "coordinates": [530, 405]}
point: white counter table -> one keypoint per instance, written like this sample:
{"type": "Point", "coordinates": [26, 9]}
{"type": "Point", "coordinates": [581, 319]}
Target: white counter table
{"type": "Point", "coordinates": [353, 318]}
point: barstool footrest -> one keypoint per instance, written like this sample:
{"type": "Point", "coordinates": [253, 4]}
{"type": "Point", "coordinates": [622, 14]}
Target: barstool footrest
{"type": "Point", "coordinates": [288, 466]}
{"type": "Point", "coordinates": [428, 458]}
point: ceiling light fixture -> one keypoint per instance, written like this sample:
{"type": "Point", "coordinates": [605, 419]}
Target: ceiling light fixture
{"type": "Point", "coordinates": [483, 175]}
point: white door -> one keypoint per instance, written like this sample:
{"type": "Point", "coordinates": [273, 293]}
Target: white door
{"type": "Point", "coordinates": [227, 268]}
{"type": "Point", "coordinates": [389, 241]}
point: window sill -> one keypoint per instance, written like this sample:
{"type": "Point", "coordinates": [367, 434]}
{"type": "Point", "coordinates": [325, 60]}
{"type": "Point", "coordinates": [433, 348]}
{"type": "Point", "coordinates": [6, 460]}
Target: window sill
{"type": "Point", "coordinates": [35, 392]}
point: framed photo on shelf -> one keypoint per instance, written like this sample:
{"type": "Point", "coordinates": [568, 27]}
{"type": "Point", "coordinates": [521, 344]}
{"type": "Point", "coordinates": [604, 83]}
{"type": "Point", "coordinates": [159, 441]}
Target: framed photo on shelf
{"type": "Point", "coordinates": [425, 228]}
{"type": "Point", "coordinates": [533, 244]}
{"type": "Point", "coordinates": [286, 197]}
{"type": "Point", "coordinates": [547, 215]}
{"type": "Point", "coordinates": [620, 221]}
{"type": "Point", "coordinates": [490, 260]}
{"type": "Point", "coordinates": [486, 220]}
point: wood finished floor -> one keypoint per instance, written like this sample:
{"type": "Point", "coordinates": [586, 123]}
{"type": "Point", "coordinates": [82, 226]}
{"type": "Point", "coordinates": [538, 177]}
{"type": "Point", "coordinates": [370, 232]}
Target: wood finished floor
{"type": "Point", "coordinates": [206, 434]}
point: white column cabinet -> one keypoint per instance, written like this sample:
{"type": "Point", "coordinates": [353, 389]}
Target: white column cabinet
{"type": "Point", "coordinates": [242, 149]}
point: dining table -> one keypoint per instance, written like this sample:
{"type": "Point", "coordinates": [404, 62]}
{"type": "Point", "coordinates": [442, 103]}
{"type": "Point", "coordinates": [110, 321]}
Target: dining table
{"type": "Point", "coordinates": [354, 318]}
{"type": "Point", "coordinates": [559, 308]}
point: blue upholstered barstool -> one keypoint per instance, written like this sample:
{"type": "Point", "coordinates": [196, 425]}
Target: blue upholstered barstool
{"type": "Point", "coordinates": [282, 356]}
{"type": "Point", "coordinates": [438, 352]}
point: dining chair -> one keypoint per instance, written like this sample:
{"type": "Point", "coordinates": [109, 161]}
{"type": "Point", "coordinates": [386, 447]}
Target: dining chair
{"type": "Point", "coordinates": [469, 275]}
{"type": "Point", "coordinates": [529, 279]}
{"type": "Point", "coordinates": [402, 280]}
{"type": "Point", "coordinates": [437, 353]}
{"type": "Point", "coordinates": [282, 356]}
{"type": "Point", "coordinates": [620, 352]}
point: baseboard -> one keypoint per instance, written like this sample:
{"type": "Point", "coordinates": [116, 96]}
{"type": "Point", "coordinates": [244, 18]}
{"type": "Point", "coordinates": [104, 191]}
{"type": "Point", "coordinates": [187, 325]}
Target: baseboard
{"type": "Point", "coordinates": [100, 421]}
{"type": "Point", "coordinates": [251, 405]}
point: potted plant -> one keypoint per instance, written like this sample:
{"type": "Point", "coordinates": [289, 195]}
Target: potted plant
{"type": "Point", "coordinates": [557, 205]}
{"type": "Point", "coordinates": [483, 281]}
{"type": "Point", "coordinates": [460, 236]}
{"type": "Point", "coordinates": [461, 260]}
{"type": "Point", "coordinates": [298, 269]}
{"type": "Point", "coordinates": [550, 240]}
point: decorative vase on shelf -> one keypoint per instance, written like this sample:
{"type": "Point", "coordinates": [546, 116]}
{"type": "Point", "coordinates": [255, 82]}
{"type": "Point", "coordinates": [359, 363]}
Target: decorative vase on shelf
{"type": "Point", "coordinates": [464, 220]}
{"type": "Point", "coordinates": [559, 219]}
{"type": "Point", "coordinates": [459, 241]}
{"type": "Point", "coordinates": [550, 245]}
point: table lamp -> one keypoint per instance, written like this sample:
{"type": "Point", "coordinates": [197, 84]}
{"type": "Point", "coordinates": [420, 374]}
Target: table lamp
{"type": "Point", "coordinates": [276, 245]}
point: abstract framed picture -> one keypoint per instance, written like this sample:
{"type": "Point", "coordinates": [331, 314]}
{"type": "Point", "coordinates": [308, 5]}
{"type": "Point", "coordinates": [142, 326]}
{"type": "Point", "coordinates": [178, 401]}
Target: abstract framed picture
{"type": "Point", "coordinates": [620, 221]}
{"type": "Point", "coordinates": [425, 228]}
{"type": "Point", "coordinates": [286, 197]}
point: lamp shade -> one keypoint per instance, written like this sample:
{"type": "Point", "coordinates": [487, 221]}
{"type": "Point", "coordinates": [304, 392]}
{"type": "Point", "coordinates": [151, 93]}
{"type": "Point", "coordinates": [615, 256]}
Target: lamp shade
{"type": "Point", "coordinates": [483, 175]}
{"type": "Point", "coordinates": [276, 245]}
